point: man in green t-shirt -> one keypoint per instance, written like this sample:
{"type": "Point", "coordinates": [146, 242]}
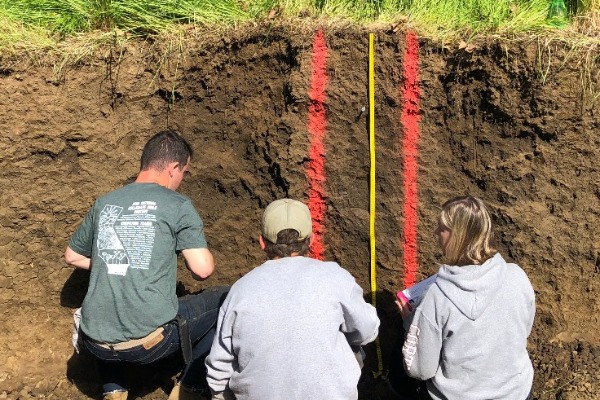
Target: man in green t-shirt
{"type": "Point", "coordinates": [129, 241]}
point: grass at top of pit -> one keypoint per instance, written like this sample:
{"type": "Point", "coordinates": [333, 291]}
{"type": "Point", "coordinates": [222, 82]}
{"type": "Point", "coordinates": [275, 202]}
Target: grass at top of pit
{"type": "Point", "coordinates": [65, 33]}
{"type": "Point", "coordinates": [43, 23]}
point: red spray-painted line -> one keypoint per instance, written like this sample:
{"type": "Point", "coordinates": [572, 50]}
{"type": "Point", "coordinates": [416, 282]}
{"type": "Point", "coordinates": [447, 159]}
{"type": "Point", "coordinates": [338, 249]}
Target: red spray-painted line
{"type": "Point", "coordinates": [317, 124]}
{"type": "Point", "coordinates": [410, 122]}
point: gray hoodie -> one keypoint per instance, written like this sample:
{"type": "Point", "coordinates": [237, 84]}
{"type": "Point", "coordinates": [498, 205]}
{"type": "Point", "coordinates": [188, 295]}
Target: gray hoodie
{"type": "Point", "coordinates": [468, 336]}
{"type": "Point", "coordinates": [285, 331]}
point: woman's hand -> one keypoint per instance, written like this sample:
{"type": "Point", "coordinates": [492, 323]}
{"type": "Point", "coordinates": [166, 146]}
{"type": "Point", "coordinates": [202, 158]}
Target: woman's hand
{"type": "Point", "coordinates": [404, 307]}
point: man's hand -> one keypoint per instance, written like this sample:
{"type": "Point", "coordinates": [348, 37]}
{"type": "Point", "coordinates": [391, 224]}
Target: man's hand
{"type": "Point", "coordinates": [200, 262]}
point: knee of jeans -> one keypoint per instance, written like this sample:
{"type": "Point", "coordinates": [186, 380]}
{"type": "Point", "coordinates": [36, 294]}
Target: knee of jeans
{"type": "Point", "coordinates": [219, 291]}
{"type": "Point", "coordinates": [203, 302]}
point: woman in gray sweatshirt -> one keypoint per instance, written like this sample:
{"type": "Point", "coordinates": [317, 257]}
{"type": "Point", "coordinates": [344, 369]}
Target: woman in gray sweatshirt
{"type": "Point", "coordinates": [467, 338]}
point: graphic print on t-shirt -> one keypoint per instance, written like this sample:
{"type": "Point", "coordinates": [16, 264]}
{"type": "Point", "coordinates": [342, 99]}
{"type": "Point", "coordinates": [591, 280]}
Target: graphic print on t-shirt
{"type": "Point", "coordinates": [126, 240]}
{"type": "Point", "coordinates": [110, 248]}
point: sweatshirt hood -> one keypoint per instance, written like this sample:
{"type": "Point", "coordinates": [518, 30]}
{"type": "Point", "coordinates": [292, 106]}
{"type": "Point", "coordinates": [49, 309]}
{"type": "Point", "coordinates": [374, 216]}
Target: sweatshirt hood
{"type": "Point", "coordinates": [471, 288]}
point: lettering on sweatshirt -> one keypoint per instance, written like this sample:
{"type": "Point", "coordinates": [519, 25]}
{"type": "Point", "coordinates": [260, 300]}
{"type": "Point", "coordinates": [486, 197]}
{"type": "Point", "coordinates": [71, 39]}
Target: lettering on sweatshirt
{"type": "Point", "coordinates": [410, 345]}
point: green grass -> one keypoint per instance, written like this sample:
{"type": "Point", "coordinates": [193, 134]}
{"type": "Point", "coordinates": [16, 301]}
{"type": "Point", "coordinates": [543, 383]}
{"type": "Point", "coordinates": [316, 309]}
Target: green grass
{"type": "Point", "coordinates": [57, 20]}
{"type": "Point", "coordinates": [71, 16]}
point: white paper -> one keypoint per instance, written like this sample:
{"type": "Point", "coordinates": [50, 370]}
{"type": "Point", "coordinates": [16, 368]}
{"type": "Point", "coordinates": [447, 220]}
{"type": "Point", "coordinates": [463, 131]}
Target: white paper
{"type": "Point", "coordinates": [415, 293]}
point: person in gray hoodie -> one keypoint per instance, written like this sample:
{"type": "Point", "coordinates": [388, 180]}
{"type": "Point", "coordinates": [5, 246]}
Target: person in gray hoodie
{"type": "Point", "coordinates": [467, 338]}
{"type": "Point", "coordinates": [290, 328]}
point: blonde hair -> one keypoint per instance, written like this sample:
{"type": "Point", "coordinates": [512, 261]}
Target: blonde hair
{"type": "Point", "coordinates": [470, 226]}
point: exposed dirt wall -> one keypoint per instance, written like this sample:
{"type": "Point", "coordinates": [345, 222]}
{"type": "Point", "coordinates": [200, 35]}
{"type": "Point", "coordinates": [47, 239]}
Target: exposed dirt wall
{"type": "Point", "coordinates": [514, 122]}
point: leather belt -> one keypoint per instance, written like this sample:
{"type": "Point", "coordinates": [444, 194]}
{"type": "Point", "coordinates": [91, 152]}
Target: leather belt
{"type": "Point", "coordinates": [147, 341]}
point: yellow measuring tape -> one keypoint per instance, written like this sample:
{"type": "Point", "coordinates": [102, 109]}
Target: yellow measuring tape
{"type": "Point", "coordinates": [379, 371]}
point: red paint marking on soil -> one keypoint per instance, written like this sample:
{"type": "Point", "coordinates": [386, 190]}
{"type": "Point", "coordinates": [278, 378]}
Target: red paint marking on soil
{"type": "Point", "coordinates": [317, 124]}
{"type": "Point", "coordinates": [410, 122]}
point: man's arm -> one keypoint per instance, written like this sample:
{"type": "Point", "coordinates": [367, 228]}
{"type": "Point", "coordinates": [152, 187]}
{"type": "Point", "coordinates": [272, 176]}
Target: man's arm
{"type": "Point", "coordinates": [75, 259]}
{"type": "Point", "coordinates": [361, 324]}
{"type": "Point", "coordinates": [221, 358]}
{"type": "Point", "coordinates": [200, 262]}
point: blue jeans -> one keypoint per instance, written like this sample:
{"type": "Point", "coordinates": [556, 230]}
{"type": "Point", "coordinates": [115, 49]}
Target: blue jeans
{"type": "Point", "coordinates": [200, 311]}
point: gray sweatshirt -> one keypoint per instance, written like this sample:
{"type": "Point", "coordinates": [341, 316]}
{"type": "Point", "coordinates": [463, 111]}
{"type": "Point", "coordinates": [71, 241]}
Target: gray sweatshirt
{"type": "Point", "coordinates": [468, 336]}
{"type": "Point", "coordinates": [285, 331]}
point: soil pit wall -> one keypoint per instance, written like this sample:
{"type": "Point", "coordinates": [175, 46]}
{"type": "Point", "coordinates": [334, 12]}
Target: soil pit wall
{"type": "Point", "coordinates": [511, 122]}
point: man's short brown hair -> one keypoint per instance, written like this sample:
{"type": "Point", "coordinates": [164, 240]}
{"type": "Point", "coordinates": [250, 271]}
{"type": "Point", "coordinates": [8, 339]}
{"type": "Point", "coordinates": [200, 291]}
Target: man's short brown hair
{"type": "Point", "coordinates": [164, 148]}
{"type": "Point", "coordinates": [287, 244]}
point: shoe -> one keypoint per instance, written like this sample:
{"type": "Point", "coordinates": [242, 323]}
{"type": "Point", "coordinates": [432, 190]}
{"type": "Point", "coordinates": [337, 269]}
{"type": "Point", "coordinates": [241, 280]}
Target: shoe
{"type": "Point", "coordinates": [181, 392]}
{"type": "Point", "coordinates": [116, 395]}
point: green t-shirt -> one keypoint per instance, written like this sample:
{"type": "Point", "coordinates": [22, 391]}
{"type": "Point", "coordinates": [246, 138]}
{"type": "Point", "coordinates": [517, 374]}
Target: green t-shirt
{"type": "Point", "coordinates": [132, 236]}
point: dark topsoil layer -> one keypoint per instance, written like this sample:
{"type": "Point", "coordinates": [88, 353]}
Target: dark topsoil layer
{"type": "Point", "coordinates": [514, 122]}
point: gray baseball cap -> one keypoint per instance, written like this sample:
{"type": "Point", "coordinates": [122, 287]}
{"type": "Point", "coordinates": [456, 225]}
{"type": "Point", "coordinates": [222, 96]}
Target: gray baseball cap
{"type": "Point", "coordinates": [286, 214]}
